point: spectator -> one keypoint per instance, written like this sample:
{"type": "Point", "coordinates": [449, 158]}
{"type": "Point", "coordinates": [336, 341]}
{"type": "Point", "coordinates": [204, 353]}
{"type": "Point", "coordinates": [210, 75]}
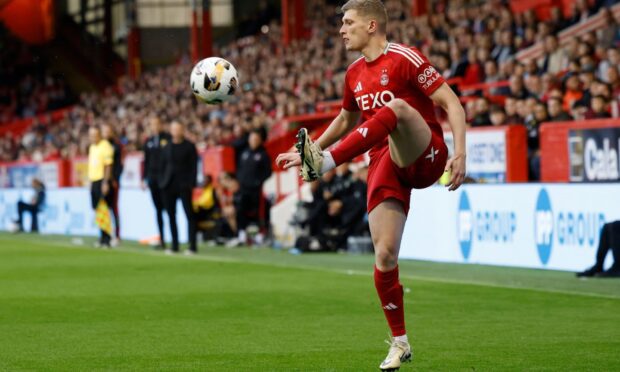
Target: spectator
{"type": "Point", "coordinates": [554, 59]}
{"type": "Point", "coordinates": [253, 170]}
{"type": "Point", "coordinates": [505, 49]}
{"type": "Point", "coordinates": [473, 71]}
{"type": "Point", "coordinates": [510, 108]}
{"type": "Point", "coordinates": [581, 12]}
{"type": "Point", "coordinates": [609, 34]}
{"type": "Point", "coordinates": [228, 188]}
{"type": "Point", "coordinates": [557, 19]}
{"type": "Point", "coordinates": [497, 116]}
{"type": "Point", "coordinates": [572, 91]}
{"type": "Point", "coordinates": [556, 113]}
{"type": "Point", "coordinates": [34, 207]}
{"type": "Point", "coordinates": [611, 61]}
{"type": "Point", "coordinates": [598, 108]}
{"type": "Point", "coordinates": [491, 75]}
{"type": "Point", "coordinates": [517, 89]}
{"type": "Point", "coordinates": [482, 116]}
{"type": "Point", "coordinates": [609, 240]}
{"type": "Point", "coordinates": [534, 86]}
{"type": "Point", "coordinates": [533, 130]}
{"type": "Point", "coordinates": [579, 110]}
{"type": "Point", "coordinates": [355, 217]}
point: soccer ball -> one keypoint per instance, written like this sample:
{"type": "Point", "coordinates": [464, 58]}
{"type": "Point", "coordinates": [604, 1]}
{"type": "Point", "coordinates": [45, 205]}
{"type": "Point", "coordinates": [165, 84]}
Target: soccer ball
{"type": "Point", "coordinates": [214, 80]}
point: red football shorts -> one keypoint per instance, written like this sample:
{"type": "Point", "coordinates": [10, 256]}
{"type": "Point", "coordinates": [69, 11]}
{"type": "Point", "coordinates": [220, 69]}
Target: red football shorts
{"type": "Point", "coordinates": [387, 181]}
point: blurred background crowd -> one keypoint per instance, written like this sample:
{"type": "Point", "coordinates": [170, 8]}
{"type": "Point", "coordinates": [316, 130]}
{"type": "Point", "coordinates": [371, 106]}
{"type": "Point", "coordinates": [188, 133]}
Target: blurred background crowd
{"type": "Point", "coordinates": [469, 42]}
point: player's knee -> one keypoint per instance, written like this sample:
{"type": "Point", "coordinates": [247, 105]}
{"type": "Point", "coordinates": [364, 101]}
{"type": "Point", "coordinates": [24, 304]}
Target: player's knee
{"type": "Point", "coordinates": [400, 107]}
{"type": "Point", "coordinates": [386, 259]}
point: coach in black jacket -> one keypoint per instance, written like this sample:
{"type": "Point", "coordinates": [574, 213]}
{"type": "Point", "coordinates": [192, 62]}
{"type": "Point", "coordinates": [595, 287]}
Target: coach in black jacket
{"type": "Point", "coordinates": [153, 170]}
{"type": "Point", "coordinates": [178, 179]}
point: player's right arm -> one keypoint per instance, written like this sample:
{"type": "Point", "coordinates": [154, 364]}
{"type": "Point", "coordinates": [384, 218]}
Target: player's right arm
{"type": "Point", "coordinates": [341, 125]}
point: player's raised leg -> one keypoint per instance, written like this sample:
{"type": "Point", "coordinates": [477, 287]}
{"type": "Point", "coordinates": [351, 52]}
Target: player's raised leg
{"type": "Point", "coordinates": [408, 132]}
{"type": "Point", "coordinates": [387, 222]}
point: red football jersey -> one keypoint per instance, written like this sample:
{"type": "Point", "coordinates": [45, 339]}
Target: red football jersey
{"type": "Point", "coordinates": [400, 72]}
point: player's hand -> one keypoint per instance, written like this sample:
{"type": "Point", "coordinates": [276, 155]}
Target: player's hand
{"type": "Point", "coordinates": [105, 188]}
{"type": "Point", "coordinates": [143, 185]}
{"type": "Point", "coordinates": [287, 160]}
{"type": "Point", "coordinates": [456, 167]}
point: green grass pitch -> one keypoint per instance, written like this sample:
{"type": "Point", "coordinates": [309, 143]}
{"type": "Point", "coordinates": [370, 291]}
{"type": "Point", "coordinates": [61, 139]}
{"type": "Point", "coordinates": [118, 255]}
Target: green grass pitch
{"type": "Point", "coordinates": [72, 308]}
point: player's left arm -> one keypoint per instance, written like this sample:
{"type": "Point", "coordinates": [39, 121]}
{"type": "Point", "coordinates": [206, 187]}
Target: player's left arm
{"type": "Point", "coordinates": [445, 97]}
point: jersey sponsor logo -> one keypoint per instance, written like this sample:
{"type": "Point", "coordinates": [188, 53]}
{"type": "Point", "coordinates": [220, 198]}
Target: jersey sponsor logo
{"type": "Point", "coordinates": [363, 131]}
{"type": "Point", "coordinates": [374, 100]}
{"type": "Point", "coordinates": [358, 87]}
{"type": "Point", "coordinates": [428, 77]}
{"type": "Point", "coordinates": [385, 79]}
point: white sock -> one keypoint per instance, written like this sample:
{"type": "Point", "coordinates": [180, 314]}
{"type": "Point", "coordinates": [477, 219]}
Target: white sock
{"type": "Point", "coordinates": [328, 162]}
{"type": "Point", "coordinates": [402, 338]}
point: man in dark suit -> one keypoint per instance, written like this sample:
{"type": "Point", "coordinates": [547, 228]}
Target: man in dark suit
{"type": "Point", "coordinates": [178, 179]}
{"type": "Point", "coordinates": [108, 132]}
{"type": "Point", "coordinates": [153, 169]}
{"type": "Point", "coordinates": [34, 207]}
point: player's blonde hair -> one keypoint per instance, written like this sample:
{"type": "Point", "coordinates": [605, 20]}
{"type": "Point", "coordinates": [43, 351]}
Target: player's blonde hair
{"type": "Point", "coordinates": [369, 8]}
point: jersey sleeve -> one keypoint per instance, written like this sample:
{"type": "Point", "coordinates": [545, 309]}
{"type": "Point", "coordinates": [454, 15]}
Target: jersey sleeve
{"type": "Point", "coordinates": [348, 98]}
{"type": "Point", "coordinates": [420, 73]}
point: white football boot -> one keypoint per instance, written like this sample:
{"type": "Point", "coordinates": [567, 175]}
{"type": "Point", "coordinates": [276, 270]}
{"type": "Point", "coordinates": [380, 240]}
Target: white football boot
{"type": "Point", "coordinates": [311, 156]}
{"type": "Point", "coordinates": [400, 352]}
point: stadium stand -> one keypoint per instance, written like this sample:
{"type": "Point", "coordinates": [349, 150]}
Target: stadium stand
{"type": "Point", "coordinates": [471, 45]}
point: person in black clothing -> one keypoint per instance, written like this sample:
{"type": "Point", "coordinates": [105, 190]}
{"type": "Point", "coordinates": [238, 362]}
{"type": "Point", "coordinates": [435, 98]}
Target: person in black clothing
{"type": "Point", "coordinates": [253, 169]}
{"type": "Point", "coordinates": [117, 169]}
{"type": "Point", "coordinates": [34, 207]}
{"type": "Point", "coordinates": [178, 179]}
{"type": "Point", "coordinates": [355, 216]}
{"type": "Point", "coordinates": [153, 170]}
{"type": "Point", "coordinates": [609, 239]}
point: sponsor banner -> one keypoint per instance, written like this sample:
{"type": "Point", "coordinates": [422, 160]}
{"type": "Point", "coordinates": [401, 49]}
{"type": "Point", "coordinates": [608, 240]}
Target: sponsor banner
{"type": "Point", "coordinates": [21, 175]}
{"type": "Point", "coordinates": [68, 211]}
{"type": "Point", "coordinates": [486, 154]}
{"type": "Point", "coordinates": [544, 226]}
{"type": "Point", "coordinates": [593, 154]}
{"type": "Point", "coordinates": [132, 171]}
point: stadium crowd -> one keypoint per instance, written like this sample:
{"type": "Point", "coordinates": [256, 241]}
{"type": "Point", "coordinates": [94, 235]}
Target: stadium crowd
{"type": "Point", "coordinates": [475, 42]}
{"type": "Point", "coordinates": [27, 88]}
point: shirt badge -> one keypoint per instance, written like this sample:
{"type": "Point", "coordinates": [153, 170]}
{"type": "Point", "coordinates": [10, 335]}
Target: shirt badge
{"type": "Point", "coordinates": [385, 79]}
{"type": "Point", "coordinates": [163, 143]}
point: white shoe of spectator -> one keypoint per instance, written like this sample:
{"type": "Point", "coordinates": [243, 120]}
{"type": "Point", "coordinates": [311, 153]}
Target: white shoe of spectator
{"type": "Point", "coordinates": [114, 242]}
{"type": "Point", "coordinates": [169, 252]}
{"type": "Point", "coordinates": [232, 243]}
{"type": "Point", "coordinates": [259, 239]}
{"type": "Point", "coordinates": [189, 252]}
